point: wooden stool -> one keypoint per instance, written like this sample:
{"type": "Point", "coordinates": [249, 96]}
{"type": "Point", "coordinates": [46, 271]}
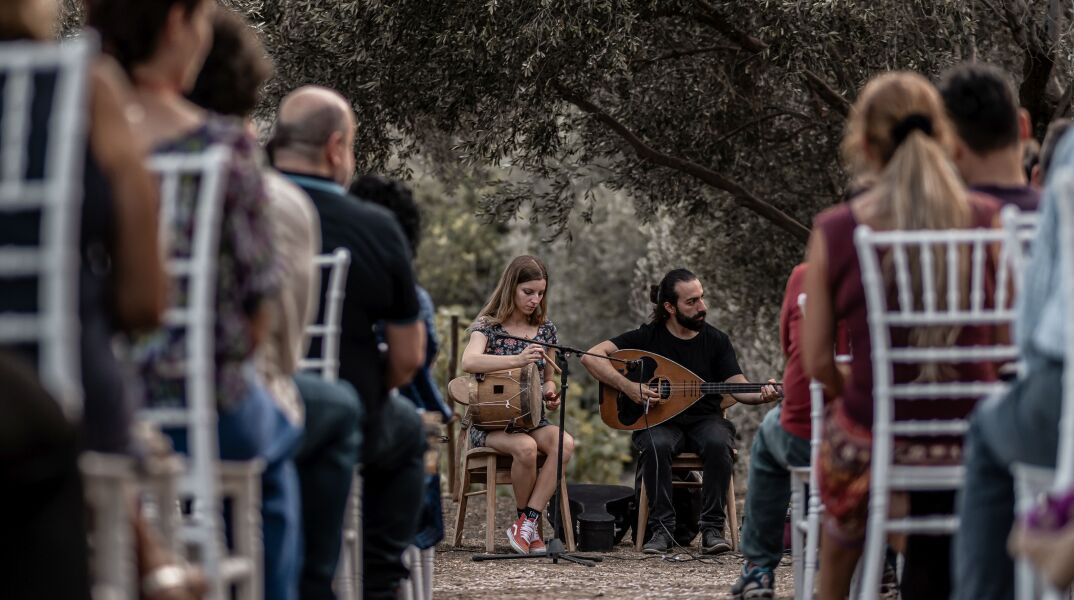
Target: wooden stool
{"type": "Point", "coordinates": [688, 462]}
{"type": "Point", "coordinates": [492, 468]}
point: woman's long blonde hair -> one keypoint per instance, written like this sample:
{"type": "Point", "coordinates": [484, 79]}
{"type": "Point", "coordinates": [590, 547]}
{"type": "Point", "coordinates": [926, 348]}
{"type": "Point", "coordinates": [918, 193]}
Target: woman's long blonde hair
{"type": "Point", "coordinates": [501, 302]}
{"type": "Point", "coordinates": [28, 19]}
{"type": "Point", "coordinates": [900, 125]}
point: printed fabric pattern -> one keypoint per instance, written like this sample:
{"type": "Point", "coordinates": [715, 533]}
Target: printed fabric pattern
{"type": "Point", "coordinates": [501, 346]}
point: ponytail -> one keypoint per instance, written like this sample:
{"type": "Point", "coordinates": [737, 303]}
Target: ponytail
{"type": "Point", "coordinates": [925, 192]}
{"type": "Point", "coordinates": [665, 292]}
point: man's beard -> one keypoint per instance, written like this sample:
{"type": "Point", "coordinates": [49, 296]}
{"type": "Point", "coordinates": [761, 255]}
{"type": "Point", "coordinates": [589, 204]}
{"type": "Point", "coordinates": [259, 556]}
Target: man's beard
{"type": "Point", "coordinates": [694, 323]}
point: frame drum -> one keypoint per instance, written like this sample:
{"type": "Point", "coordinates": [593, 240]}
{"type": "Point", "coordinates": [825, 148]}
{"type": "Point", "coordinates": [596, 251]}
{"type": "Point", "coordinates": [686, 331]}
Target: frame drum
{"type": "Point", "coordinates": [509, 398]}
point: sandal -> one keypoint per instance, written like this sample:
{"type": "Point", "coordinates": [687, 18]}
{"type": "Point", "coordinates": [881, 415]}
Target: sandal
{"type": "Point", "coordinates": [174, 581]}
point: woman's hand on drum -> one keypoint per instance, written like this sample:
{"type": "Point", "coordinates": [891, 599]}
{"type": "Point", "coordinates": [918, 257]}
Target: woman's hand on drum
{"type": "Point", "coordinates": [531, 354]}
{"type": "Point", "coordinates": [551, 396]}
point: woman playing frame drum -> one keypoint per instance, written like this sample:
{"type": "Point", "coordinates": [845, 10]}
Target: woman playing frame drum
{"type": "Point", "coordinates": [518, 307]}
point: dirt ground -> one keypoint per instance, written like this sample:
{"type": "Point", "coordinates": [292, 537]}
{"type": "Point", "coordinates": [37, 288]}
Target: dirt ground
{"type": "Point", "coordinates": [623, 573]}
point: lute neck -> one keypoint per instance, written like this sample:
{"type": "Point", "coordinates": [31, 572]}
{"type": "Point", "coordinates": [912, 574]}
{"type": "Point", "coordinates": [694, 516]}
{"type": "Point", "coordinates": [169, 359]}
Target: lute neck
{"type": "Point", "coordinates": [711, 387]}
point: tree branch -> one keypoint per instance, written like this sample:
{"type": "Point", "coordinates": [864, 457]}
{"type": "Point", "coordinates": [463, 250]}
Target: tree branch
{"type": "Point", "coordinates": [1038, 60]}
{"type": "Point", "coordinates": [711, 16]}
{"type": "Point", "coordinates": [742, 196]}
{"type": "Point", "coordinates": [714, 19]}
{"type": "Point", "coordinates": [826, 93]}
{"type": "Point", "coordinates": [681, 53]}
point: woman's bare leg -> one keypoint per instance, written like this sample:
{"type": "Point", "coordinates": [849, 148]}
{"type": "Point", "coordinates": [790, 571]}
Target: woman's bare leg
{"type": "Point", "coordinates": [839, 563]}
{"type": "Point", "coordinates": [547, 439]}
{"type": "Point", "coordinates": [523, 451]}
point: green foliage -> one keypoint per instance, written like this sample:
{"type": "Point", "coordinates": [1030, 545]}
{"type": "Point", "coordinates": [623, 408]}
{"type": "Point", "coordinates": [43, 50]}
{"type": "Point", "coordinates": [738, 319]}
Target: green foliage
{"type": "Point", "coordinates": [460, 257]}
{"type": "Point", "coordinates": [694, 109]}
{"type": "Point", "coordinates": [601, 452]}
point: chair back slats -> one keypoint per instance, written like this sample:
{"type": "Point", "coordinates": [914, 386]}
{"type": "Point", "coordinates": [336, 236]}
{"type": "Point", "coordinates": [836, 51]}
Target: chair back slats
{"type": "Point", "coordinates": [965, 304]}
{"type": "Point", "coordinates": [20, 329]}
{"type": "Point", "coordinates": [18, 92]}
{"type": "Point", "coordinates": [932, 427]}
{"type": "Point", "coordinates": [329, 330]}
{"type": "Point", "coordinates": [899, 277]}
{"type": "Point", "coordinates": [193, 313]}
{"type": "Point", "coordinates": [55, 195]}
{"type": "Point", "coordinates": [943, 390]}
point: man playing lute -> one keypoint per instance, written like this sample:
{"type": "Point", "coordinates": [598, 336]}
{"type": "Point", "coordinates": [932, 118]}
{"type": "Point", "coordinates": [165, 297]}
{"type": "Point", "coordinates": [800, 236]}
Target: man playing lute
{"type": "Point", "coordinates": [678, 331]}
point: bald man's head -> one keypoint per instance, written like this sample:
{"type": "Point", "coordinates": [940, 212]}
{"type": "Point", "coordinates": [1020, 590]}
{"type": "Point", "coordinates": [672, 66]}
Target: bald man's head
{"type": "Point", "coordinates": [315, 134]}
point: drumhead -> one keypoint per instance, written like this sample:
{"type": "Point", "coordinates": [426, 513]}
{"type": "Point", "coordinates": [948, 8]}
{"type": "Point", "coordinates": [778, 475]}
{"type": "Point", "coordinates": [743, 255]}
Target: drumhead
{"type": "Point", "coordinates": [459, 389]}
{"type": "Point", "coordinates": [533, 397]}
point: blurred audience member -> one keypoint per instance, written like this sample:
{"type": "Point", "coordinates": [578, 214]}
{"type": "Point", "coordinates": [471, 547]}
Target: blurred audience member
{"type": "Point", "coordinates": [43, 552]}
{"type": "Point", "coordinates": [898, 130]}
{"type": "Point", "coordinates": [314, 146]}
{"type": "Point", "coordinates": [396, 197]}
{"type": "Point", "coordinates": [1020, 426]}
{"type": "Point", "coordinates": [1056, 130]}
{"type": "Point", "coordinates": [162, 44]}
{"type": "Point", "coordinates": [230, 79]}
{"type": "Point", "coordinates": [423, 390]}
{"type": "Point", "coordinates": [992, 132]}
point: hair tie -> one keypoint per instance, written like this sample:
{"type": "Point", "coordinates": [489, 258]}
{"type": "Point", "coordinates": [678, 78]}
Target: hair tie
{"type": "Point", "coordinates": [908, 125]}
{"type": "Point", "coordinates": [654, 294]}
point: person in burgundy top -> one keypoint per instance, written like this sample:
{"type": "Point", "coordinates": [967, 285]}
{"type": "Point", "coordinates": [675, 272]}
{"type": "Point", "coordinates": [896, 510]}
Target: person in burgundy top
{"type": "Point", "coordinates": [899, 131]}
{"type": "Point", "coordinates": [781, 442]}
{"type": "Point", "coordinates": [991, 132]}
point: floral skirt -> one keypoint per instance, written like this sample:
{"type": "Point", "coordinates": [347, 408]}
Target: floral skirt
{"type": "Point", "coordinates": [846, 454]}
{"type": "Point", "coordinates": [479, 436]}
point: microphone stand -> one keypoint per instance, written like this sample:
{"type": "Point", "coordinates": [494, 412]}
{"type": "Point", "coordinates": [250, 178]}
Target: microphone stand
{"type": "Point", "coordinates": [555, 548]}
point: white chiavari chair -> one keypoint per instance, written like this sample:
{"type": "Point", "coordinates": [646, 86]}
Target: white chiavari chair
{"type": "Point", "coordinates": [54, 197]}
{"type": "Point", "coordinates": [805, 516]}
{"type": "Point", "coordinates": [206, 480]}
{"type": "Point", "coordinates": [905, 310]}
{"type": "Point", "coordinates": [348, 580]}
{"type": "Point", "coordinates": [328, 330]}
{"type": "Point", "coordinates": [1031, 482]}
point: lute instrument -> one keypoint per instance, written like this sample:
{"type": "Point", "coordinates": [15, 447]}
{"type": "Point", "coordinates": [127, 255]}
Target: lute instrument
{"type": "Point", "coordinates": [678, 386]}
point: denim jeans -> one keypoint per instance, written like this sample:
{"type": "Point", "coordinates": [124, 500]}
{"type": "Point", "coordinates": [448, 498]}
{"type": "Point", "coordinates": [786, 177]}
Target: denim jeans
{"type": "Point", "coordinates": [1020, 426]}
{"type": "Point", "coordinates": [331, 445]}
{"type": "Point", "coordinates": [393, 472]}
{"type": "Point", "coordinates": [254, 427]}
{"type": "Point", "coordinates": [773, 452]}
{"type": "Point", "coordinates": [711, 436]}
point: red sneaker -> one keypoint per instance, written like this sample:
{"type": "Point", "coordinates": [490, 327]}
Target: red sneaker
{"type": "Point", "coordinates": [518, 534]}
{"type": "Point", "coordinates": [536, 543]}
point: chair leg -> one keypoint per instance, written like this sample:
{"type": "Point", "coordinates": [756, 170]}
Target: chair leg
{"type": "Point", "coordinates": [565, 520]}
{"type": "Point", "coordinates": [460, 514]}
{"type": "Point", "coordinates": [732, 514]}
{"type": "Point", "coordinates": [797, 535]}
{"type": "Point", "coordinates": [643, 519]}
{"type": "Point", "coordinates": [451, 466]}
{"type": "Point", "coordinates": [490, 502]}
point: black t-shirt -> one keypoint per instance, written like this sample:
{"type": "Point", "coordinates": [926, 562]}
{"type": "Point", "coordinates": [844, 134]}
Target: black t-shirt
{"type": "Point", "coordinates": [380, 282]}
{"type": "Point", "coordinates": [709, 355]}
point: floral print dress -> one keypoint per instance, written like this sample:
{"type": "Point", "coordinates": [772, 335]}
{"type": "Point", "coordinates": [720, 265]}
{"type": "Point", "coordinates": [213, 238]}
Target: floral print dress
{"type": "Point", "coordinates": [246, 268]}
{"type": "Point", "coordinates": [501, 346]}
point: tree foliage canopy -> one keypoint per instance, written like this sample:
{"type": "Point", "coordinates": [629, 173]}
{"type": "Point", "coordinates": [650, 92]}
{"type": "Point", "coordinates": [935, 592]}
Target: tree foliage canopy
{"type": "Point", "coordinates": [688, 103]}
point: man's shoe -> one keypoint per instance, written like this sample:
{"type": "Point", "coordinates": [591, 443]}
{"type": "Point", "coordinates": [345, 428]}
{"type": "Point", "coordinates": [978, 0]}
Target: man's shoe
{"type": "Point", "coordinates": [658, 544]}
{"type": "Point", "coordinates": [713, 543]}
{"type": "Point", "coordinates": [755, 583]}
{"type": "Point", "coordinates": [519, 533]}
